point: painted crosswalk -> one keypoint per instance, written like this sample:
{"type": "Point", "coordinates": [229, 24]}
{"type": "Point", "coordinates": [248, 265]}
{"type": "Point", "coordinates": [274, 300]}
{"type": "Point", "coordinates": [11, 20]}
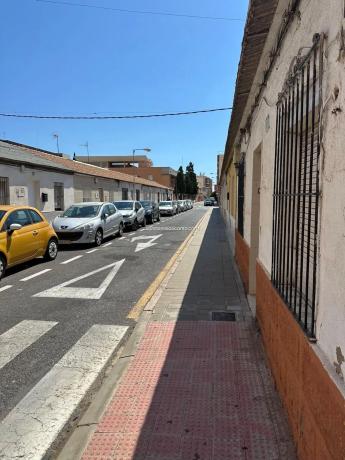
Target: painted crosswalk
{"type": "Point", "coordinates": [21, 336]}
{"type": "Point", "coordinates": [32, 426]}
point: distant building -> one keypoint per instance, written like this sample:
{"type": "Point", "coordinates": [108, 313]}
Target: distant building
{"type": "Point", "coordinates": [204, 187]}
{"type": "Point", "coordinates": [161, 174]}
{"type": "Point", "coordinates": [116, 161]}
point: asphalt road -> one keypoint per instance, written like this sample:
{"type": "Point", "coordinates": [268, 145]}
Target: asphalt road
{"type": "Point", "coordinates": [100, 286]}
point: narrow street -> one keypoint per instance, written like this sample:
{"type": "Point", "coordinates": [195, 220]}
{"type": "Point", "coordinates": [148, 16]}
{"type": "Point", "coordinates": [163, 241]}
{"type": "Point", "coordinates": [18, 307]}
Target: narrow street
{"type": "Point", "coordinates": [63, 322]}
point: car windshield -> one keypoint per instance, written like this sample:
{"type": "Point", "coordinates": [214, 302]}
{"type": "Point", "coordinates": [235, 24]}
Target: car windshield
{"type": "Point", "coordinates": [124, 205]}
{"type": "Point", "coordinates": [146, 204]}
{"type": "Point", "coordinates": [82, 211]}
{"type": "Point", "coordinates": [165, 203]}
{"type": "Point", "coordinates": [2, 213]}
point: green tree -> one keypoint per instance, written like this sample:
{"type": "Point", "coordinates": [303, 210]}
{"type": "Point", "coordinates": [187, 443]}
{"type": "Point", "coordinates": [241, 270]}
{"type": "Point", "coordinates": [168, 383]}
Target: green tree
{"type": "Point", "coordinates": [191, 181]}
{"type": "Point", "coordinates": [180, 183]}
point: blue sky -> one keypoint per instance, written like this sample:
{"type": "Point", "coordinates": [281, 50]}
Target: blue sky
{"type": "Point", "coordinates": [71, 60]}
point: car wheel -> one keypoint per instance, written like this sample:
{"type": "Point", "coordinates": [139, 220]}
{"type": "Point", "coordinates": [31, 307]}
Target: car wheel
{"type": "Point", "coordinates": [98, 237]}
{"type": "Point", "coordinates": [120, 230]}
{"type": "Point", "coordinates": [52, 250]}
{"type": "Point", "coordinates": [144, 222]}
{"type": "Point", "coordinates": [2, 266]}
{"type": "Point", "coordinates": [135, 225]}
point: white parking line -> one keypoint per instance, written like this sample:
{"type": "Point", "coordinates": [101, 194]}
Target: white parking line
{"type": "Point", "coordinates": [35, 422]}
{"type": "Point", "coordinates": [91, 251]}
{"type": "Point", "coordinates": [122, 238]}
{"type": "Point", "coordinates": [130, 234]}
{"type": "Point", "coordinates": [21, 336]}
{"type": "Point", "coordinates": [106, 244]}
{"type": "Point", "coordinates": [27, 278]}
{"type": "Point", "coordinates": [70, 260]}
{"type": "Point", "coordinates": [4, 288]}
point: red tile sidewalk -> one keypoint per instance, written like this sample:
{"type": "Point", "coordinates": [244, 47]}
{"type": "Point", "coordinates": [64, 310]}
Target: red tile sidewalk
{"type": "Point", "coordinates": [194, 390]}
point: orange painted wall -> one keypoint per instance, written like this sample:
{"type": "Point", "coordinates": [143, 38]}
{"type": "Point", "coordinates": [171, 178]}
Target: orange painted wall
{"type": "Point", "coordinates": [315, 406]}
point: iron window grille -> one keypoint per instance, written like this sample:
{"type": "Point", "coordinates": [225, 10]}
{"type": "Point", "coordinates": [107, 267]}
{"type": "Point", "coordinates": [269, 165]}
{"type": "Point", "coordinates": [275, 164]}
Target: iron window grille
{"type": "Point", "coordinates": [240, 166]}
{"type": "Point", "coordinates": [296, 188]}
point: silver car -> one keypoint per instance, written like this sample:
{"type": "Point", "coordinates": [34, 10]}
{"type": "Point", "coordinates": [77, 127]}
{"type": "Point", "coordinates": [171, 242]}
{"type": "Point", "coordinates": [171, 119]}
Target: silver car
{"type": "Point", "coordinates": [167, 208]}
{"type": "Point", "coordinates": [88, 223]}
{"type": "Point", "coordinates": [133, 213]}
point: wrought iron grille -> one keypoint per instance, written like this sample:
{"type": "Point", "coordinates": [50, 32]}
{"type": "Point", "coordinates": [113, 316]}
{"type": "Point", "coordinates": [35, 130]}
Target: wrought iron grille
{"type": "Point", "coordinates": [296, 189]}
{"type": "Point", "coordinates": [240, 196]}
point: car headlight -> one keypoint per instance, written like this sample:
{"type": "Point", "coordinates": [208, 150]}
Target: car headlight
{"type": "Point", "coordinates": [89, 226]}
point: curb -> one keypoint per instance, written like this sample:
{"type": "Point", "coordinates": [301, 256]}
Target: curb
{"type": "Point", "coordinates": [75, 445]}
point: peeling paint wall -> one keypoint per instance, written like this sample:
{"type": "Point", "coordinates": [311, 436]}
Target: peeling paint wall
{"type": "Point", "coordinates": [326, 17]}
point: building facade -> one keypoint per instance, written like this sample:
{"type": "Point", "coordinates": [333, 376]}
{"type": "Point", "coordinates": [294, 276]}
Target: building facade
{"type": "Point", "coordinates": [283, 197]}
{"type": "Point", "coordinates": [49, 182]}
{"type": "Point", "coordinates": [163, 175]}
{"type": "Point", "coordinates": [116, 161]}
{"type": "Point", "coordinates": [204, 187]}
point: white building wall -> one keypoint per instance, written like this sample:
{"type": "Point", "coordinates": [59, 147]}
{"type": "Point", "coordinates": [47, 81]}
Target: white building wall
{"type": "Point", "coordinates": [28, 183]}
{"type": "Point", "coordinates": [316, 17]}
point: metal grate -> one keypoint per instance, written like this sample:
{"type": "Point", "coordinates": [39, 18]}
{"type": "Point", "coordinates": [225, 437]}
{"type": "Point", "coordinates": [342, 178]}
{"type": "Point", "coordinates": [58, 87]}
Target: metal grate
{"type": "Point", "coordinates": [223, 316]}
{"type": "Point", "coordinates": [4, 191]}
{"type": "Point", "coordinates": [296, 189]}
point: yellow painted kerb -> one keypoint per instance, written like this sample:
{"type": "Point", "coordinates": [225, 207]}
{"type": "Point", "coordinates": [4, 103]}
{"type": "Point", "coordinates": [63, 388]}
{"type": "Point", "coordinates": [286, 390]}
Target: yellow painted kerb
{"type": "Point", "coordinates": [148, 294]}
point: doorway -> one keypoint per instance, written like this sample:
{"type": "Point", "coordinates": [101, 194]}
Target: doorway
{"type": "Point", "coordinates": [58, 196]}
{"type": "Point", "coordinates": [255, 220]}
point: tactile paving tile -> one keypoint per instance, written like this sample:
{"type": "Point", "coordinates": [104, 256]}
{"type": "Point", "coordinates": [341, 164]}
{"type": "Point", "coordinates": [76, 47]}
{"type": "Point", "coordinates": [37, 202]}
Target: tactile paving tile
{"type": "Point", "coordinates": [193, 390]}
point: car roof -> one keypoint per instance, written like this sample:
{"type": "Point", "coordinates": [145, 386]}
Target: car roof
{"type": "Point", "coordinates": [7, 208]}
{"type": "Point", "coordinates": [90, 203]}
{"type": "Point", "coordinates": [124, 201]}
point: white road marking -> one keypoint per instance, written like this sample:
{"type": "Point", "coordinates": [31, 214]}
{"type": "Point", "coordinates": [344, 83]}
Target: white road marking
{"type": "Point", "coordinates": [19, 337]}
{"type": "Point", "coordinates": [27, 278]}
{"type": "Point", "coordinates": [106, 244]}
{"type": "Point", "coordinates": [71, 260]}
{"type": "Point", "coordinates": [141, 246]}
{"type": "Point", "coordinates": [86, 293]}
{"type": "Point", "coordinates": [91, 251]}
{"type": "Point", "coordinates": [33, 425]}
{"type": "Point", "coordinates": [4, 288]}
{"type": "Point", "coordinates": [122, 238]}
{"type": "Point", "coordinates": [130, 234]}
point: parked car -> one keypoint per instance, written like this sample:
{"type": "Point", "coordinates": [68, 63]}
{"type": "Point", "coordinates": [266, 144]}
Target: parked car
{"type": "Point", "coordinates": [88, 223]}
{"type": "Point", "coordinates": [24, 235]}
{"type": "Point", "coordinates": [167, 208]}
{"type": "Point", "coordinates": [133, 213]}
{"type": "Point", "coordinates": [208, 202]}
{"type": "Point", "coordinates": [182, 205]}
{"type": "Point", "coordinates": [151, 211]}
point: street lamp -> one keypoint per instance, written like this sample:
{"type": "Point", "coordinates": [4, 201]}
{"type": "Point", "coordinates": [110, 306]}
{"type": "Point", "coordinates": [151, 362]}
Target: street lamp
{"type": "Point", "coordinates": [145, 149]}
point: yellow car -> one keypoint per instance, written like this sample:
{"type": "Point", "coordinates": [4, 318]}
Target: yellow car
{"type": "Point", "coordinates": [24, 235]}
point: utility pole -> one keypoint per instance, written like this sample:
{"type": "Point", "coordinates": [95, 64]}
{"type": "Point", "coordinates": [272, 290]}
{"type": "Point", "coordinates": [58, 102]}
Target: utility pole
{"type": "Point", "coordinates": [87, 150]}
{"type": "Point", "coordinates": [56, 135]}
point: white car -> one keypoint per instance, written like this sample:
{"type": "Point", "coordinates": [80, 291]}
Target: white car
{"type": "Point", "coordinates": [88, 223]}
{"type": "Point", "coordinates": [133, 213]}
{"type": "Point", "coordinates": [167, 208]}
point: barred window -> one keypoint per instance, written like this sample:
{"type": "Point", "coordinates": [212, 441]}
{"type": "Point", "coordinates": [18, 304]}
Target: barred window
{"type": "Point", "coordinates": [296, 189]}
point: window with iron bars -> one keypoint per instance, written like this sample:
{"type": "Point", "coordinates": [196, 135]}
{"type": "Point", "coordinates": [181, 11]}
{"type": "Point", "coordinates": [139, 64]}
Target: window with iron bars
{"type": "Point", "coordinates": [296, 189]}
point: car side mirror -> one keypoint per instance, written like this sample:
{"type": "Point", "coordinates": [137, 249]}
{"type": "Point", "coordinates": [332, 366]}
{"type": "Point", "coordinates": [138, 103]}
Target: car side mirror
{"type": "Point", "coordinates": [14, 227]}
{"type": "Point", "coordinates": [105, 215]}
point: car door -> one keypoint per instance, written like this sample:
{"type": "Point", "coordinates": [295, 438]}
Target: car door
{"type": "Point", "coordinates": [140, 211]}
{"type": "Point", "coordinates": [117, 218]}
{"type": "Point", "coordinates": [40, 230]}
{"type": "Point", "coordinates": [106, 219]}
{"type": "Point", "coordinates": [113, 218]}
{"type": "Point", "coordinates": [21, 244]}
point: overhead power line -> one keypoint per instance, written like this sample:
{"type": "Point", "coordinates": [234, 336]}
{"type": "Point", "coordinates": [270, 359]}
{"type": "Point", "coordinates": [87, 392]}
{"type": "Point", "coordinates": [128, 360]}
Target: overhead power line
{"type": "Point", "coordinates": [111, 117]}
{"type": "Point", "coordinates": [155, 13]}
